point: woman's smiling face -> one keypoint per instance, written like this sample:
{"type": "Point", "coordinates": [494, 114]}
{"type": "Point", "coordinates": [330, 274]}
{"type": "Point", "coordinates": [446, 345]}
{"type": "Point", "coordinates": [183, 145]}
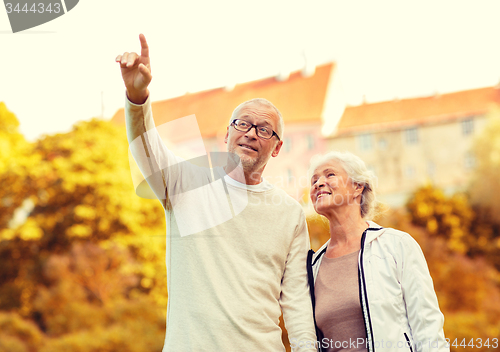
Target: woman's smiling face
{"type": "Point", "coordinates": [331, 187]}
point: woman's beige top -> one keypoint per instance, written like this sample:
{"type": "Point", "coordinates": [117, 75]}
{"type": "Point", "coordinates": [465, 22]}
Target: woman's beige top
{"type": "Point", "coordinates": [338, 309]}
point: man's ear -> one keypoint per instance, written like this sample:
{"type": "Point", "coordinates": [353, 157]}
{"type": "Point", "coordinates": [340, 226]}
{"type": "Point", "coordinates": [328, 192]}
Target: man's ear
{"type": "Point", "coordinates": [277, 149]}
{"type": "Point", "coordinates": [227, 135]}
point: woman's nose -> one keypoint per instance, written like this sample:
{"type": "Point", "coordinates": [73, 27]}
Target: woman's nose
{"type": "Point", "coordinates": [320, 182]}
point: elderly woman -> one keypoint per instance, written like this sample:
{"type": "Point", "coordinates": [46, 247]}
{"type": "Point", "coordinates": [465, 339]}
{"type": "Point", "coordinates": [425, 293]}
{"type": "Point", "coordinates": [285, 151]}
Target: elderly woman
{"type": "Point", "coordinates": [370, 286]}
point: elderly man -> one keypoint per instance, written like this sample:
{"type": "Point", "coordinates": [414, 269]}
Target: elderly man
{"type": "Point", "coordinates": [237, 246]}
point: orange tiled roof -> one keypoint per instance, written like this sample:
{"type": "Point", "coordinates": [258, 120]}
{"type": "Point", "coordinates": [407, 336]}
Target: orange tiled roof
{"type": "Point", "coordinates": [391, 114]}
{"type": "Point", "coordinates": [299, 99]}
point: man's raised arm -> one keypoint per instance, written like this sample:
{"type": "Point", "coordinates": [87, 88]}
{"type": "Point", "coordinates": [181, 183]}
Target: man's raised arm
{"type": "Point", "coordinates": [162, 169]}
{"type": "Point", "coordinates": [146, 146]}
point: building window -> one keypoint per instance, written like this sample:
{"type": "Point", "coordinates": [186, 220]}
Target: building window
{"type": "Point", "coordinates": [365, 141]}
{"type": "Point", "coordinates": [410, 171]}
{"type": "Point", "coordinates": [382, 144]}
{"type": "Point", "coordinates": [411, 135]}
{"type": "Point", "coordinates": [310, 142]}
{"type": "Point", "coordinates": [470, 160]}
{"type": "Point", "coordinates": [467, 126]}
{"type": "Point", "coordinates": [287, 144]}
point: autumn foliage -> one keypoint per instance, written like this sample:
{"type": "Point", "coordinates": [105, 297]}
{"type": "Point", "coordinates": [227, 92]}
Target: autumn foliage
{"type": "Point", "coordinates": [81, 256]}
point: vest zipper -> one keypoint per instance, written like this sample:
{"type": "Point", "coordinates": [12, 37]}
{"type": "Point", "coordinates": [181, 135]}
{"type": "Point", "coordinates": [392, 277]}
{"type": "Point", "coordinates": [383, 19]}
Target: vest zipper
{"type": "Point", "coordinates": [364, 298]}
{"type": "Point", "coordinates": [408, 341]}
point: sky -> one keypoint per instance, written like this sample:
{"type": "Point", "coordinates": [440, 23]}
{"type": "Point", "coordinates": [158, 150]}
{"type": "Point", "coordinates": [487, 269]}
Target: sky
{"type": "Point", "coordinates": [63, 71]}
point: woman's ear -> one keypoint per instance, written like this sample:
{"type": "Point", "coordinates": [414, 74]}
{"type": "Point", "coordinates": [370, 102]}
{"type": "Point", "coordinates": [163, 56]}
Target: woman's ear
{"type": "Point", "coordinates": [358, 189]}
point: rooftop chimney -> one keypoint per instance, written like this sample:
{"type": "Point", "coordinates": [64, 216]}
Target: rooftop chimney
{"type": "Point", "coordinates": [308, 69]}
{"type": "Point", "coordinates": [282, 76]}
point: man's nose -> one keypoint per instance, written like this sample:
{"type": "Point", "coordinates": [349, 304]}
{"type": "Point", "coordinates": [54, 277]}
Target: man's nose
{"type": "Point", "coordinates": [252, 132]}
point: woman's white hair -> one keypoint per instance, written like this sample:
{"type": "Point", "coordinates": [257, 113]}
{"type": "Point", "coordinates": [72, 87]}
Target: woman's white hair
{"type": "Point", "coordinates": [358, 173]}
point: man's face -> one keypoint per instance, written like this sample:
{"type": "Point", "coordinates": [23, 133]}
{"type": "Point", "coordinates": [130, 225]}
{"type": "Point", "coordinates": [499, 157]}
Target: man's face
{"type": "Point", "coordinates": [253, 151]}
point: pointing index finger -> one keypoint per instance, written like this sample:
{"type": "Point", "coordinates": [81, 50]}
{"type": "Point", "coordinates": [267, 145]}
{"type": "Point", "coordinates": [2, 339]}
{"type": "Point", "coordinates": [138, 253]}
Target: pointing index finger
{"type": "Point", "coordinates": [144, 46]}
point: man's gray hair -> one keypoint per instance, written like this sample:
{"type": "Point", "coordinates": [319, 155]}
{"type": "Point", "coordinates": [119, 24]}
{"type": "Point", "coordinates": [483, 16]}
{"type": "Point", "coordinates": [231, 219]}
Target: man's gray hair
{"type": "Point", "coordinates": [358, 173]}
{"type": "Point", "coordinates": [265, 102]}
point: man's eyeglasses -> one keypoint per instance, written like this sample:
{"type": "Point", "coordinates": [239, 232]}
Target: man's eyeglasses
{"type": "Point", "coordinates": [261, 131]}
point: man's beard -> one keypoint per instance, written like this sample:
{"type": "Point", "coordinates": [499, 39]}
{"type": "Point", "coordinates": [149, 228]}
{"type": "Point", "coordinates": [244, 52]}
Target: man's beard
{"type": "Point", "coordinates": [247, 163]}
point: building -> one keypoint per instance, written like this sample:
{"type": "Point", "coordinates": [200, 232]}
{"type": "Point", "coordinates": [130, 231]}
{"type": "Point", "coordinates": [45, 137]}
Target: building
{"type": "Point", "coordinates": [410, 142]}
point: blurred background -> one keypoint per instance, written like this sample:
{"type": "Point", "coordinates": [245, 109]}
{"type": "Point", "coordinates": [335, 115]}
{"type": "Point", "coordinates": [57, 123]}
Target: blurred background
{"type": "Point", "coordinates": [413, 89]}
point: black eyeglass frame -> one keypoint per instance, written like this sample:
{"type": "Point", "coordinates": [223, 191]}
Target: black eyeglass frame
{"type": "Point", "coordinates": [256, 130]}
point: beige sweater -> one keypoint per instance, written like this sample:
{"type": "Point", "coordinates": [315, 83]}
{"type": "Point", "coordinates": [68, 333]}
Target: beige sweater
{"type": "Point", "coordinates": [236, 254]}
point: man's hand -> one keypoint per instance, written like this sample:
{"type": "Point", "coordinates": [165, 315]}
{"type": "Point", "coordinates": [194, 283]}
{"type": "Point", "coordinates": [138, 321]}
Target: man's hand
{"type": "Point", "coordinates": [136, 72]}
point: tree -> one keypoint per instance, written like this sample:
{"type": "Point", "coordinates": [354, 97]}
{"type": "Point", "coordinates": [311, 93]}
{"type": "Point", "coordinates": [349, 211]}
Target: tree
{"type": "Point", "coordinates": [485, 185]}
{"type": "Point", "coordinates": [319, 230]}
{"type": "Point", "coordinates": [18, 334]}
{"type": "Point", "coordinates": [446, 217]}
{"type": "Point", "coordinates": [484, 188]}
{"type": "Point", "coordinates": [80, 254]}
